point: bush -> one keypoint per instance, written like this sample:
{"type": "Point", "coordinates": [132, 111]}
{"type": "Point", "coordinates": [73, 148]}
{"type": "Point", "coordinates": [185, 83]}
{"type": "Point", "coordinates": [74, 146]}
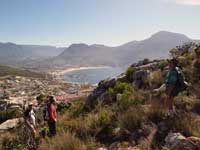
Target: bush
{"type": "Point", "coordinates": [77, 107]}
{"type": "Point", "coordinates": [111, 94]}
{"type": "Point", "coordinates": [163, 64]}
{"type": "Point", "coordinates": [125, 100]}
{"type": "Point", "coordinates": [129, 74]}
{"type": "Point", "coordinates": [63, 107]}
{"type": "Point", "coordinates": [131, 119]}
{"type": "Point", "coordinates": [120, 87]}
{"type": "Point", "coordinates": [9, 114]}
{"type": "Point", "coordinates": [42, 98]}
{"type": "Point", "coordinates": [96, 122]}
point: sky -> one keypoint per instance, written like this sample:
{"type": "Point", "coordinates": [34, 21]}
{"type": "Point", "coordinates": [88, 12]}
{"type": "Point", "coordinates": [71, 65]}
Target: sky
{"type": "Point", "coordinates": [108, 22]}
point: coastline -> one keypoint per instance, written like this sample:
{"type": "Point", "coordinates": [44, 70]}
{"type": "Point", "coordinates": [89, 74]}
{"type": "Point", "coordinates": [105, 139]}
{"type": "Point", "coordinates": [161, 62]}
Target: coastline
{"type": "Point", "coordinates": [64, 71]}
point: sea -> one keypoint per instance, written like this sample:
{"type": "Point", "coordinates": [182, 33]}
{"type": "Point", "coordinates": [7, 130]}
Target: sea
{"type": "Point", "coordinates": [92, 75]}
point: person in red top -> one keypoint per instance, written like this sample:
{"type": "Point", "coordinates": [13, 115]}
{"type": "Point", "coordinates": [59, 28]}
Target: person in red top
{"type": "Point", "coordinates": [52, 119]}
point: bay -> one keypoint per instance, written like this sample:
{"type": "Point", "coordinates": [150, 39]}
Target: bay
{"type": "Point", "coordinates": [92, 75]}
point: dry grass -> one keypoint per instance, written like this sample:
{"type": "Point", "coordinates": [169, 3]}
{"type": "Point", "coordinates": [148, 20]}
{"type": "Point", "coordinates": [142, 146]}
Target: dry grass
{"type": "Point", "coordinates": [63, 141]}
{"type": "Point", "coordinates": [188, 124]}
{"type": "Point", "coordinates": [131, 119]}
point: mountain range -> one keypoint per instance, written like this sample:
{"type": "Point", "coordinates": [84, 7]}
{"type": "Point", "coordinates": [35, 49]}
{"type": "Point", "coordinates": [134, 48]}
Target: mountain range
{"type": "Point", "coordinates": [15, 54]}
{"type": "Point", "coordinates": [155, 47]}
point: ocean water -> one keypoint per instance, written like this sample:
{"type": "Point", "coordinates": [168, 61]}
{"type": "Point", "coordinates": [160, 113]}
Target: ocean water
{"type": "Point", "coordinates": [92, 76]}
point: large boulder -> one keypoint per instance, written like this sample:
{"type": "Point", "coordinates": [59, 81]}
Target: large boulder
{"type": "Point", "coordinates": [139, 78]}
{"type": "Point", "coordinates": [176, 141]}
{"type": "Point", "coordinates": [10, 124]}
{"type": "Point", "coordinates": [99, 91]}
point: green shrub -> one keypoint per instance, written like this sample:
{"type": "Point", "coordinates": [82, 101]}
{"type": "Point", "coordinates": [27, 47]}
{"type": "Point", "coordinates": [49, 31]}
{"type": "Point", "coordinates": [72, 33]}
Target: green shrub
{"type": "Point", "coordinates": [129, 74]}
{"type": "Point", "coordinates": [44, 132]}
{"type": "Point", "coordinates": [77, 107]}
{"type": "Point", "coordinates": [120, 87]}
{"type": "Point", "coordinates": [125, 100]}
{"type": "Point", "coordinates": [110, 92]}
{"type": "Point", "coordinates": [42, 98]}
{"type": "Point", "coordinates": [63, 107]}
{"type": "Point", "coordinates": [9, 114]}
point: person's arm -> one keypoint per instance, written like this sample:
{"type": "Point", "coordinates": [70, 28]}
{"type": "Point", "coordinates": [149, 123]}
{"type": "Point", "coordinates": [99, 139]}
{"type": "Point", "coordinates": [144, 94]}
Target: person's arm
{"type": "Point", "coordinates": [29, 124]}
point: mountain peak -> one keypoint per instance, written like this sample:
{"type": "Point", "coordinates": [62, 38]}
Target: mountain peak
{"type": "Point", "coordinates": [163, 34]}
{"type": "Point", "coordinates": [78, 45]}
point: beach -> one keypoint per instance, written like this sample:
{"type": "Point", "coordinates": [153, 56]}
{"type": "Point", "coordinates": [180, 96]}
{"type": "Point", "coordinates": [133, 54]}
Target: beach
{"type": "Point", "coordinates": [64, 71]}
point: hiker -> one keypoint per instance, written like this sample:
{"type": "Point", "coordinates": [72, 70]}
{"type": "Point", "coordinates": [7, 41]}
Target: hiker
{"type": "Point", "coordinates": [174, 84]}
{"type": "Point", "coordinates": [51, 115]}
{"type": "Point", "coordinates": [30, 118]}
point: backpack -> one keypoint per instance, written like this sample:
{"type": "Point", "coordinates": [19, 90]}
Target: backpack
{"type": "Point", "coordinates": [46, 113]}
{"type": "Point", "coordinates": [180, 84]}
{"type": "Point", "coordinates": [26, 113]}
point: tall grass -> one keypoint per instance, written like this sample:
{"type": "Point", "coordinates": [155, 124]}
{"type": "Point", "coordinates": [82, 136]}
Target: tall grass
{"type": "Point", "coordinates": [63, 141]}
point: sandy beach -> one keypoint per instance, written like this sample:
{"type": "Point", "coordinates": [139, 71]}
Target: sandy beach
{"type": "Point", "coordinates": [64, 71]}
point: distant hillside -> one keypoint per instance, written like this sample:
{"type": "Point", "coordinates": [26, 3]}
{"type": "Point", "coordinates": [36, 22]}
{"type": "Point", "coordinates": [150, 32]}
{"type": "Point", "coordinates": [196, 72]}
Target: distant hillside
{"type": "Point", "coordinates": [155, 47]}
{"type": "Point", "coordinates": [14, 54]}
{"type": "Point", "coordinates": [44, 57]}
{"type": "Point", "coordinates": [5, 71]}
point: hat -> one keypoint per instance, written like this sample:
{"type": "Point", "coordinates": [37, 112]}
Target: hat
{"type": "Point", "coordinates": [30, 104]}
{"type": "Point", "coordinates": [173, 61]}
{"type": "Point", "coordinates": [51, 99]}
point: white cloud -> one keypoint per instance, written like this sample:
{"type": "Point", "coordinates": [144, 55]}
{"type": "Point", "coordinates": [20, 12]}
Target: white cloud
{"type": "Point", "coordinates": [188, 2]}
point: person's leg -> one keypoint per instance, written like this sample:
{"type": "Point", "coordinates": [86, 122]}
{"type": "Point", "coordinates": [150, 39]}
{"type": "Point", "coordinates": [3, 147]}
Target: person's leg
{"type": "Point", "coordinates": [53, 128]}
{"type": "Point", "coordinates": [50, 128]}
{"type": "Point", "coordinates": [170, 104]}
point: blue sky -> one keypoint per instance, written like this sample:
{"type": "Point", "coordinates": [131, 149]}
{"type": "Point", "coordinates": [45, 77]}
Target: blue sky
{"type": "Point", "coordinates": [109, 22]}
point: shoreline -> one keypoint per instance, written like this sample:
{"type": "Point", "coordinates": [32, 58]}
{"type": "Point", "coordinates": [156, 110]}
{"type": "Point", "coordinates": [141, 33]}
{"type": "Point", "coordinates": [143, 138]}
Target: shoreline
{"type": "Point", "coordinates": [64, 71]}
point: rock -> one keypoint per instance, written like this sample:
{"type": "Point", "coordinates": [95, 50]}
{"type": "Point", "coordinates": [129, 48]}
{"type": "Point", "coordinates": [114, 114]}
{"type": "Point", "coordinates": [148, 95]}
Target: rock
{"type": "Point", "coordinates": [173, 139]}
{"type": "Point", "coordinates": [102, 148]}
{"type": "Point", "coordinates": [114, 146]}
{"type": "Point", "coordinates": [10, 124]}
{"type": "Point", "coordinates": [144, 136]}
{"type": "Point", "coordinates": [116, 132]}
{"type": "Point", "coordinates": [104, 84]}
{"type": "Point", "coordinates": [139, 78]}
{"type": "Point", "coordinates": [176, 141]}
{"type": "Point", "coordinates": [99, 92]}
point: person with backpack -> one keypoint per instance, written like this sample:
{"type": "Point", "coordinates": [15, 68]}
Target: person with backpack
{"type": "Point", "coordinates": [29, 116]}
{"type": "Point", "coordinates": [50, 115]}
{"type": "Point", "coordinates": [174, 84]}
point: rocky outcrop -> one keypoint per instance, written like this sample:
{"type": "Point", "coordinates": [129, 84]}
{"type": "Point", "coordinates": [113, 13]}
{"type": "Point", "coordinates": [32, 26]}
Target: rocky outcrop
{"type": "Point", "coordinates": [176, 141]}
{"type": "Point", "coordinates": [139, 76]}
{"type": "Point", "coordinates": [99, 91]}
{"type": "Point", "coordinates": [10, 124]}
